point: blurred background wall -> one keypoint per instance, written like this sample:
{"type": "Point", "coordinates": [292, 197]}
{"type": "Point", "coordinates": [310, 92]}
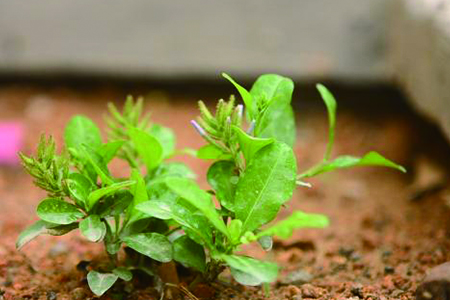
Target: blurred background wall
{"type": "Point", "coordinates": [305, 39]}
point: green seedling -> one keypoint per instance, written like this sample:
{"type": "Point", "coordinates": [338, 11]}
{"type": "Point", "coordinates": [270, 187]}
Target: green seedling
{"type": "Point", "coordinates": [253, 174]}
{"type": "Point", "coordinates": [161, 212]}
{"type": "Point", "coordinates": [83, 194]}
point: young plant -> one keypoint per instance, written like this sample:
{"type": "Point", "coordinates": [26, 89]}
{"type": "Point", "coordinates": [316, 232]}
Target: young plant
{"type": "Point", "coordinates": [252, 175]}
{"type": "Point", "coordinates": [83, 194]}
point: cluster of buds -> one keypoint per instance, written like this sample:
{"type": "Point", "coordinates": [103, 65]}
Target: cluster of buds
{"type": "Point", "coordinates": [217, 129]}
{"type": "Point", "coordinates": [48, 169]}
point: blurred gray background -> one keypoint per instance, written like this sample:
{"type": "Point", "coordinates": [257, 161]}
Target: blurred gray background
{"type": "Point", "coordinates": [305, 39]}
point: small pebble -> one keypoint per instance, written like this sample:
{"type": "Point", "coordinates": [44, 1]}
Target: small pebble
{"type": "Point", "coordinates": [357, 290]}
{"type": "Point", "coordinates": [397, 293]}
{"type": "Point", "coordinates": [436, 284]}
{"type": "Point", "coordinates": [51, 295]}
{"type": "Point", "coordinates": [389, 270]}
{"type": "Point", "coordinates": [308, 291]}
{"type": "Point", "coordinates": [346, 251]}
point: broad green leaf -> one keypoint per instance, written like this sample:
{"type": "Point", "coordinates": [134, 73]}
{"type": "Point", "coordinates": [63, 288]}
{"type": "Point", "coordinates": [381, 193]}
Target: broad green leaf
{"type": "Point", "coordinates": [249, 271]}
{"type": "Point", "coordinates": [153, 245]}
{"type": "Point", "coordinates": [278, 123]}
{"type": "Point", "coordinates": [56, 211]}
{"type": "Point", "coordinates": [79, 187]}
{"type": "Point", "coordinates": [212, 152]}
{"type": "Point", "coordinates": [109, 150]}
{"type": "Point", "coordinates": [246, 96]}
{"type": "Point", "coordinates": [249, 144]}
{"type": "Point", "coordinates": [272, 89]}
{"type": "Point", "coordinates": [123, 273]}
{"type": "Point", "coordinates": [165, 137]}
{"type": "Point", "coordinates": [331, 105]}
{"type": "Point", "coordinates": [140, 195]}
{"type": "Point", "coordinates": [171, 169]}
{"type": "Point", "coordinates": [298, 219]}
{"type": "Point", "coordinates": [42, 227]}
{"type": "Point", "coordinates": [99, 283]}
{"type": "Point", "coordinates": [157, 209]}
{"type": "Point", "coordinates": [274, 92]}
{"type": "Point", "coordinates": [223, 178]}
{"type": "Point", "coordinates": [148, 147]}
{"type": "Point", "coordinates": [98, 165]}
{"type": "Point", "coordinates": [81, 130]}
{"type": "Point", "coordinates": [138, 190]}
{"type": "Point", "coordinates": [30, 233]}
{"type": "Point", "coordinates": [189, 253]}
{"type": "Point", "coordinates": [94, 196]}
{"type": "Point", "coordinates": [93, 228]}
{"type": "Point", "coordinates": [58, 230]}
{"type": "Point", "coordinates": [195, 225]}
{"type": "Point", "coordinates": [347, 161]}
{"type": "Point", "coordinates": [114, 204]}
{"type": "Point", "coordinates": [189, 190]}
{"type": "Point", "coordinates": [135, 227]}
{"type": "Point", "coordinates": [268, 182]}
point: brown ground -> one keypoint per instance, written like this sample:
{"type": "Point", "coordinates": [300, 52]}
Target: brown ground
{"type": "Point", "coordinates": [380, 243]}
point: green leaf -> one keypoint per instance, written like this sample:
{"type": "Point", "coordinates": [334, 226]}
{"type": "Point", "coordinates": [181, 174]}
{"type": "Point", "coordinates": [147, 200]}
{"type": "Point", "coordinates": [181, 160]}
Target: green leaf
{"type": "Point", "coordinates": [189, 190]}
{"type": "Point", "coordinates": [249, 271]}
{"type": "Point", "coordinates": [235, 229]}
{"type": "Point", "coordinates": [98, 164]}
{"type": "Point", "coordinates": [115, 204]}
{"type": "Point", "coordinates": [99, 283]}
{"type": "Point", "coordinates": [81, 130]}
{"type": "Point", "coordinates": [212, 152]}
{"type": "Point", "coordinates": [93, 228]}
{"type": "Point", "coordinates": [109, 150]}
{"type": "Point", "coordinates": [30, 233]}
{"type": "Point", "coordinates": [165, 137]}
{"type": "Point", "coordinates": [172, 169]}
{"type": "Point", "coordinates": [42, 227]}
{"type": "Point", "coordinates": [94, 196]}
{"type": "Point", "coordinates": [272, 89]}
{"type": "Point", "coordinates": [153, 245]}
{"type": "Point", "coordinates": [189, 253]}
{"type": "Point", "coordinates": [140, 195]}
{"type": "Point", "coordinates": [123, 273]}
{"type": "Point", "coordinates": [148, 147]}
{"type": "Point", "coordinates": [249, 144]}
{"type": "Point", "coordinates": [347, 161]}
{"type": "Point", "coordinates": [331, 105]}
{"type": "Point", "coordinates": [56, 211]}
{"type": "Point", "coordinates": [298, 219]}
{"type": "Point", "coordinates": [79, 187]}
{"type": "Point", "coordinates": [223, 178]}
{"type": "Point", "coordinates": [58, 230]}
{"type": "Point", "coordinates": [156, 209]}
{"type": "Point", "coordinates": [246, 96]}
{"type": "Point", "coordinates": [277, 121]}
{"type": "Point", "coordinates": [268, 182]}
{"type": "Point", "coordinates": [195, 225]}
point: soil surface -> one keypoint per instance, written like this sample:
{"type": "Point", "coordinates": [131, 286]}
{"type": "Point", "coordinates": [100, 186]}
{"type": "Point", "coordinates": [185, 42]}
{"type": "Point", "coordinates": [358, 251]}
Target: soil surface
{"type": "Point", "coordinates": [384, 235]}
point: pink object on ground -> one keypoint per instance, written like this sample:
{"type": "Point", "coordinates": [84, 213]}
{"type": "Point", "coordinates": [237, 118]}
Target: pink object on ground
{"type": "Point", "coordinates": [11, 141]}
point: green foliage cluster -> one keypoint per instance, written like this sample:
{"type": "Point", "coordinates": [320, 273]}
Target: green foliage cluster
{"type": "Point", "coordinates": [162, 213]}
